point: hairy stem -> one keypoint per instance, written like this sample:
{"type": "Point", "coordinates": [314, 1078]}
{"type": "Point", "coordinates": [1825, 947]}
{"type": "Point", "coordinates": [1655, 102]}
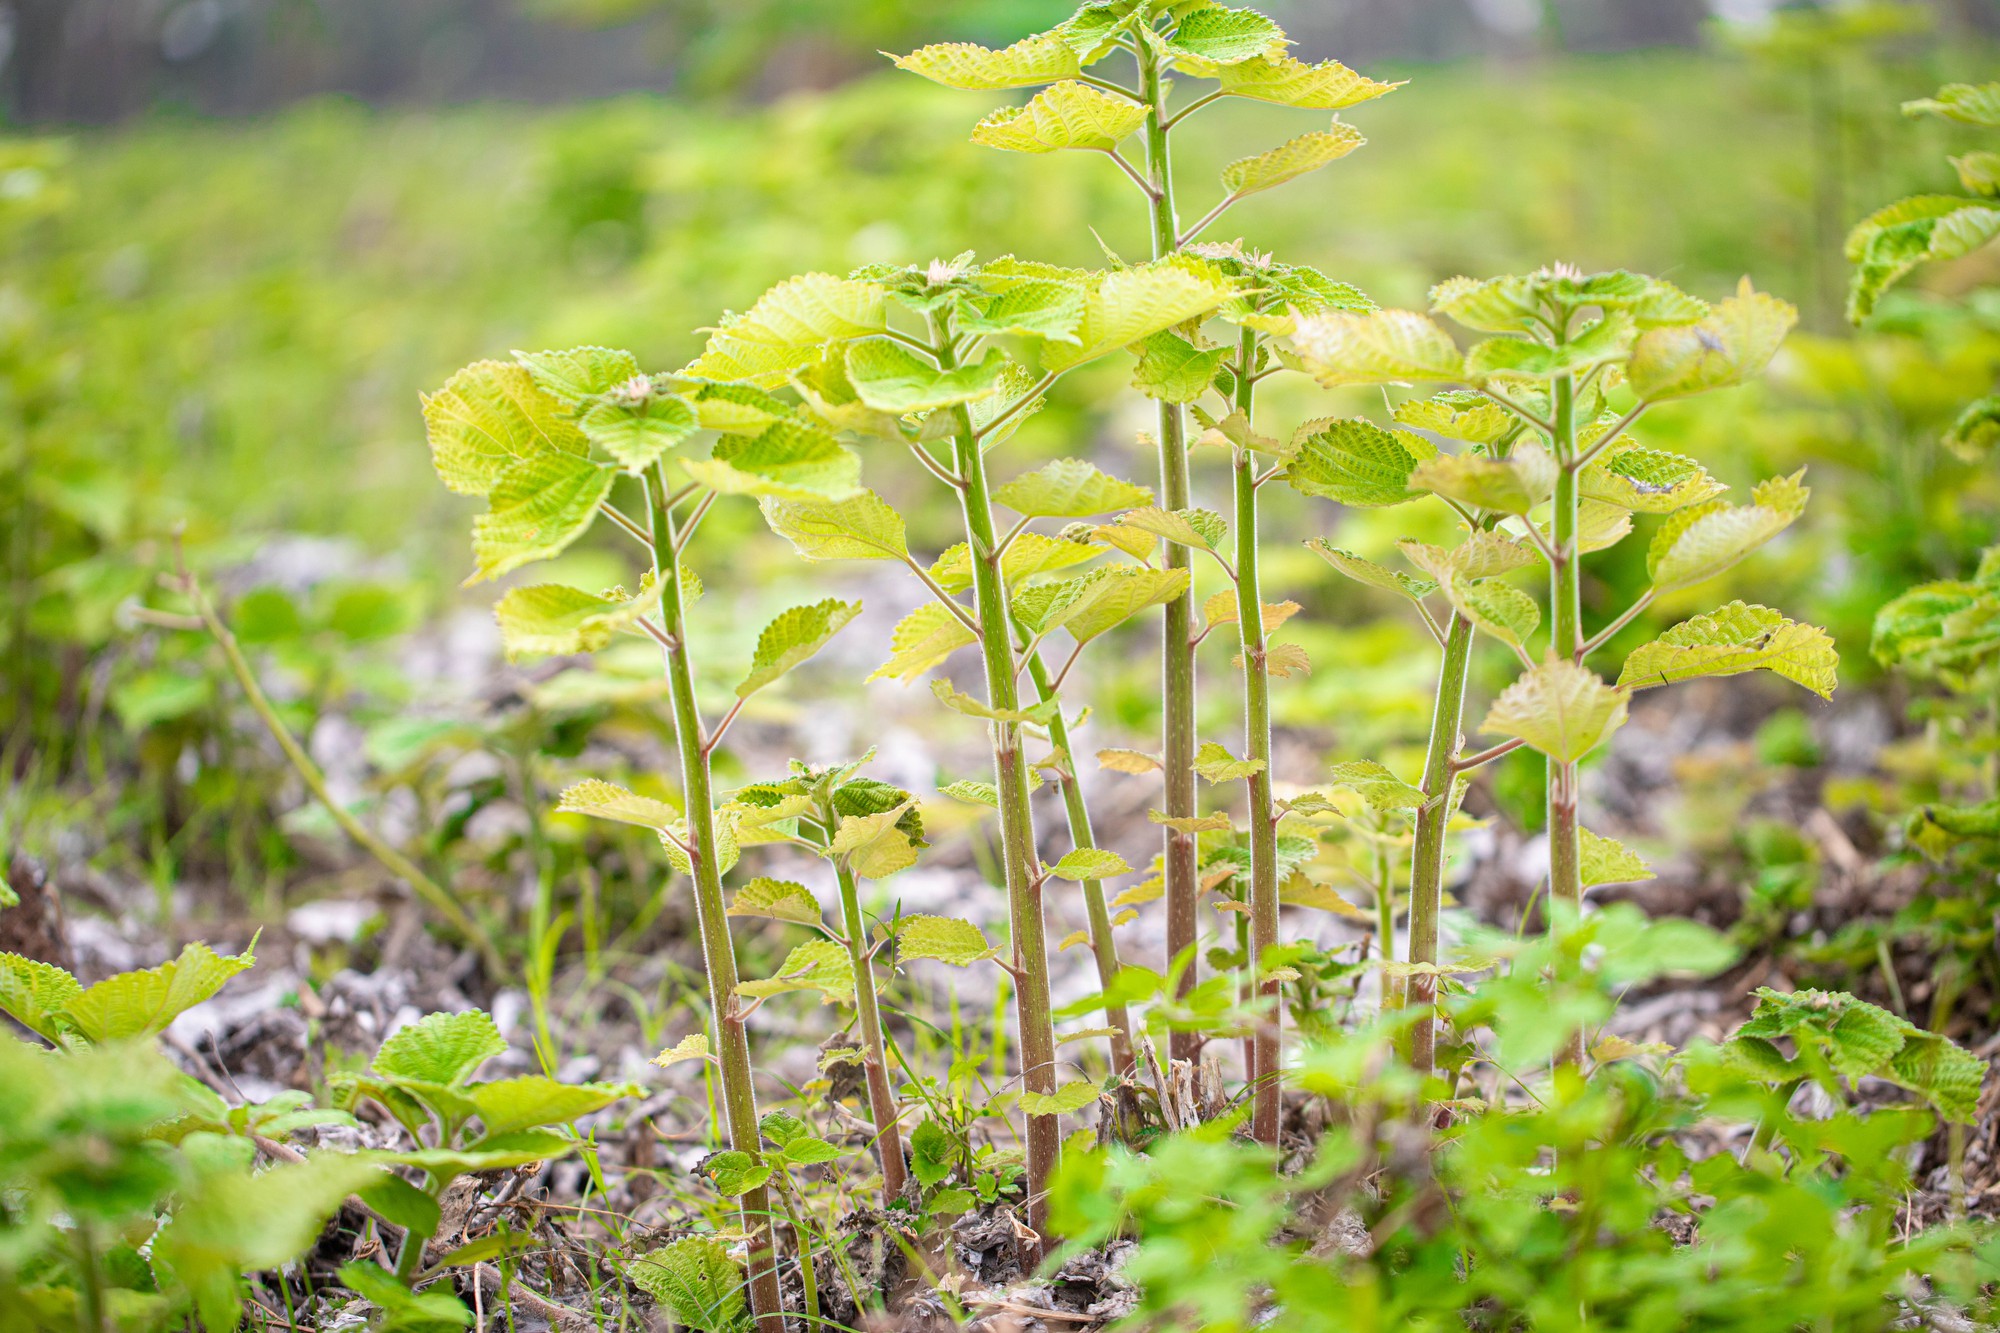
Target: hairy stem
{"type": "Point", "coordinates": [874, 1065]}
{"type": "Point", "coordinates": [732, 1042]}
{"type": "Point", "coordinates": [1177, 648]}
{"type": "Point", "coordinates": [1565, 638]}
{"type": "Point", "coordinates": [1427, 852]}
{"type": "Point", "coordinates": [1257, 745]}
{"type": "Point", "coordinates": [1081, 835]}
{"type": "Point", "coordinates": [1020, 863]}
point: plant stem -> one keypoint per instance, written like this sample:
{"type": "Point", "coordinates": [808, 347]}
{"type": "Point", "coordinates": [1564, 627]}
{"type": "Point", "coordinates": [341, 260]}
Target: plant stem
{"type": "Point", "coordinates": [1081, 835]}
{"type": "Point", "coordinates": [1019, 861]}
{"type": "Point", "coordinates": [1263, 818]}
{"type": "Point", "coordinates": [718, 951]}
{"type": "Point", "coordinates": [1183, 885]}
{"type": "Point", "coordinates": [1565, 638]}
{"type": "Point", "coordinates": [874, 1065]}
{"type": "Point", "coordinates": [391, 860]}
{"type": "Point", "coordinates": [1427, 851]}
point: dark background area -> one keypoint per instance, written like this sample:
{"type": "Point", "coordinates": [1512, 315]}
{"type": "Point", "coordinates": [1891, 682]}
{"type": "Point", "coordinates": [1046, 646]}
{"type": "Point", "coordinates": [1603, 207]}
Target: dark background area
{"type": "Point", "coordinates": [92, 61]}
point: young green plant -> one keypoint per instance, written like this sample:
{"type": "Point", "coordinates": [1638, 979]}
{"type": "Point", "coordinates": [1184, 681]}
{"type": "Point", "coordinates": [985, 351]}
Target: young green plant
{"type": "Point", "coordinates": [1244, 54]}
{"type": "Point", "coordinates": [1563, 344]}
{"type": "Point", "coordinates": [545, 438]}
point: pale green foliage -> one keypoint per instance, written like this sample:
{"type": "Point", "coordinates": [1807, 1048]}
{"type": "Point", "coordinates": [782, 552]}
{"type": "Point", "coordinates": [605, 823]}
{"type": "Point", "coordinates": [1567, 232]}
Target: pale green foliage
{"type": "Point", "coordinates": [1029, 554]}
{"type": "Point", "coordinates": [1174, 370]}
{"type": "Point", "coordinates": [549, 618]}
{"type": "Point", "coordinates": [489, 417]}
{"type": "Point", "coordinates": [607, 800]}
{"type": "Point", "coordinates": [1560, 708]}
{"type": "Point", "coordinates": [1950, 628]}
{"type": "Point", "coordinates": [1068, 488]}
{"type": "Point", "coordinates": [577, 373]}
{"type": "Point", "coordinates": [788, 460]}
{"type": "Point", "coordinates": [1042, 58]}
{"type": "Point", "coordinates": [878, 844]}
{"type": "Point", "coordinates": [694, 1046]}
{"type": "Point", "coordinates": [1607, 861]}
{"type": "Point", "coordinates": [1511, 485]}
{"type": "Point", "coordinates": [1375, 784]}
{"type": "Point", "coordinates": [786, 328]}
{"type": "Point", "coordinates": [1216, 764]}
{"type": "Point", "coordinates": [816, 965]}
{"type": "Point", "coordinates": [440, 1048]}
{"type": "Point", "coordinates": [1382, 347]}
{"type": "Point", "coordinates": [890, 378]}
{"type": "Point", "coordinates": [1213, 36]}
{"type": "Point", "coordinates": [49, 1001]}
{"type": "Point", "coordinates": [958, 701]}
{"type": "Point", "coordinates": [1966, 103]}
{"type": "Point", "coordinates": [1199, 529]}
{"type": "Point", "coordinates": [636, 424]}
{"type": "Point", "coordinates": [793, 637]}
{"type": "Point", "coordinates": [1128, 305]}
{"type": "Point", "coordinates": [921, 640]}
{"type": "Point", "coordinates": [539, 506]}
{"type": "Point", "coordinates": [1065, 115]}
{"type": "Point", "coordinates": [863, 527]}
{"type": "Point", "coordinates": [1356, 462]}
{"type": "Point", "coordinates": [1088, 863]}
{"type": "Point", "coordinates": [1891, 242]}
{"type": "Point", "coordinates": [1292, 159]}
{"type": "Point", "coordinates": [1094, 603]}
{"type": "Point", "coordinates": [1372, 574]}
{"type": "Point", "coordinates": [778, 900]}
{"type": "Point", "coordinates": [1732, 639]}
{"type": "Point", "coordinates": [697, 1282]}
{"type": "Point", "coordinates": [1069, 1097]}
{"type": "Point", "coordinates": [1731, 344]}
{"type": "Point", "coordinates": [1647, 481]}
{"type": "Point", "coordinates": [1457, 414]}
{"type": "Point", "coordinates": [945, 939]}
{"type": "Point", "coordinates": [1697, 543]}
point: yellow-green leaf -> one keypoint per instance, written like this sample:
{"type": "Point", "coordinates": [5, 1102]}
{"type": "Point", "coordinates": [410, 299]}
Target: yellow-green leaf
{"type": "Point", "coordinates": [1732, 639]}
{"type": "Point", "coordinates": [1088, 864]}
{"type": "Point", "coordinates": [1607, 861]}
{"type": "Point", "coordinates": [1356, 462]}
{"type": "Point", "coordinates": [549, 618]}
{"type": "Point", "coordinates": [1290, 160]}
{"type": "Point", "coordinates": [1701, 541]}
{"type": "Point", "coordinates": [607, 800]}
{"type": "Point", "coordinates": [1560, 708]}
{"type": "Point", "coordinates": [1733, 343]}
{"type": "Point", "coordinates": [792, 637]}
{"type": "Point", "coordinates": [490, 416]}
{"type": "Point", "coordinates": [786, 328]}
{"type": "Point", "coordinates": [1042, 58]}
{"type": "Point", "coordinates": [862, 527]}
{"type": "Point", "coordinates": [943, 938]}
{"type": "Point", "coordinates": [694, 1046]}
{"type": "Point", "coordinates": [921, 640]}
{"type": "Point", "coordinates": [1216, 764]}
{"type": "Point", "coordinates": [1380, 347]}
{"type": "Point", "coordinates": [1069, 488]}
{"type": "Point", "coordinates": [776, 900]}
{"type": "Point", "coordinates": [540, 505]}
{"type": "Point", "coordinates": [1064, 115]}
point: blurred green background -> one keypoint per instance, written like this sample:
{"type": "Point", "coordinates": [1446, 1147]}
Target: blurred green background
{"type": "Point", "coordinates": [238, 238]}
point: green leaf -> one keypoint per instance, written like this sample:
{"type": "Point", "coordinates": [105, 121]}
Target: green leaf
{"type": "Point", "coordinates": [946, 939]}
{"type": "Point", "coordinates": [1973, 433]}
{"type": "Point", "coordinates": [578, 373]}
{"type": "Point", "coordinates": [1326, 86]}
{"type": "Point", "coordinates": [1098, 601]}
{"type": "Point", "coordinates": [960, 702]}
{"type": "Point", "coordinates": [1211, 37]}
{"type": "Point", "coordinates": [1889, 244]}
{"type": "Point", "coordinates": [440, 1048]}
{"type": "Point", "coordinates": [862, 527]}
{"type": "Point", "coordinates": [1482, 555]}
{"type": "Point", "coordinates": [1381, 347]}
{"type": "Point", "coordinates": [793, 637]}
{"type": "Point", "coordinates": [1966, 103]}
{"type": "Point", "coordinates": [1049, 310]}
{"type": "Point", "coordinates": [1699, 542]}
{"type": "Point", "coordinates": [1069, 1097]}
{"type": "Point", "coordinates": [1029, 554]}
{"type": "Point", "coordinates": [734, 408]}
{"type": "Point", "coordinates": [1068, 488]}
{"type": "Point", "coordinates": [1088, 864]}
{"type": "Point", "coordinates": [34, 994]}
{"type": "Point", "coordinates": [1937, 626]}
{"type": "Point", "coordinates": [1491, 305]}
{"type": "Point", "coordinates": [697, 1282]}
{"type": "Point", "coordinates": [436, 1310]}
{"type": "Point", "coordinates": [1197, 529]}
{"type": "Point", "coordinates": [878, 844]}
{"type": "Point", "coordinates": [1733, 639]}
{"type": "Point", "coordinates": [1290, 160]}
{"type": "Point", "coordinates": [788, 325]}
{"type": "Point", "coordinates": [487, 419]}
{"type": "Point", "coordinates": [1370, 573]}
{"type": "Point", "coordinates": [809, 1151]}
{"type": "Point", "coordinates": [1647, 481]}
{"type": "Point", "coordinates": [608, 800]}
{"type": "Point", "coordinates": [511, 1104]}
{"type": "Point", "coordinates": [972, 792]}
{"type": "Point", "coordinates": [1607, 861]}
{"type": "Point", "coordinates": [1375, 784]}
{"type": "Point", "coordinates": [921, 640]}
{"type": "Point", "coordinates": [549, 618]}
{"type": "Point", "coordinates": [1560, 708]}
{"type": "Point", "coordinates": [817, 965]}
{"type": "Point", "coordinates": [1216, 764]}
{"type": "Point", "coordinates": [1064, 115]}
{"type": "Point", "coordinates": [891, 378]}
{"type": "Point", "coordinates": [1042, 58]}
{"type": "Point", "coordinates": [1495, 608]}
{"type": "Point", "coordinates": [400, 1202]}
{"type": "Point", "coordinates": [1356, 462]}
{"type": "Point", "coordinates": [1457, 414]}
{"type": "Point", "coordinates": [777, 900]}
{"type": "Point", "coordinates": [694, 1046]}
{"type": "Point", "coordinates": [790, 460]}
{"type": "Point", "coordinates": [635, 424]}
{"type": "Point", "coordinates": [539, 506]}
{"type": "Point", "coordinates": [1512, 485]}
{"type": "Point", "coordinates": [1733, 343]}
{"type": "Point", "coordinates": [1129, 305]}
{"type": "Point", "coordinates": [143, 1003]}
{"type": "Point", "coordinates": [1173, 370]}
